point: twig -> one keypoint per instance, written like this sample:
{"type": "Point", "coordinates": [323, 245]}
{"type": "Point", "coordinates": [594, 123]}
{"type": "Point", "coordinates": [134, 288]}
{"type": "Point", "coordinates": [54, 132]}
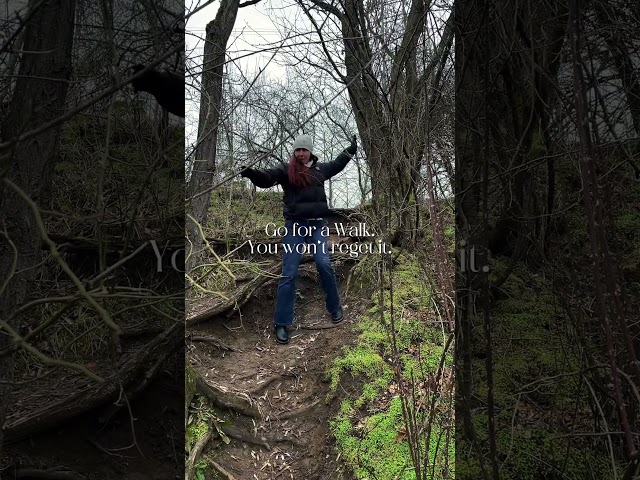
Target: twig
{"type": "Point", "coordinates": [222, 471]}
{"type": "Point", "coordinates": [218, 343]}
{"type": "Point", "coordinates": [116, 265]}
{"type": "Point", "coordinates": [298, 411]}
{"type": "Point", "coordinates": [320, 327]}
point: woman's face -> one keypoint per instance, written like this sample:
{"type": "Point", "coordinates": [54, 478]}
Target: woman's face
{"type": "Point", "coordinates": [302, 155]}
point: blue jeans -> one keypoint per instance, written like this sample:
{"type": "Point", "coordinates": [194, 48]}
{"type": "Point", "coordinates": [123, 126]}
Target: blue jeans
{"type": "Point", "coordinates": [303, 234]}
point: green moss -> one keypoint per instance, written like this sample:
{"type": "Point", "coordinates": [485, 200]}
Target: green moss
{"type": "Point", "coordinates": [369, 393]}
{"type": "Point", "coordinates": [194, 432]}
{"type": "Point", "coordinates": [373, 445]}
{"type": "Point", "coordinates": [371, 449]}
{"type": "Point", "coordinates": [361, 361]}
{"type": "Point", "coordinates": [530, 356]}
{"type": "Point", "coordinates": [422, 361]}
{"type": "Point", "coordinates": [449, 232]}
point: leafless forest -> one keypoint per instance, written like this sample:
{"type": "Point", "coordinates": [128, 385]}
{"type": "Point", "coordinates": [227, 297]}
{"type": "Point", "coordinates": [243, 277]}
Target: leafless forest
{"type": "Point", "coordinates": [547, 125]}
{"type": "Point", "coordinates": [498, 159]}
{"type": "Point", "coordinates": [90, 215]}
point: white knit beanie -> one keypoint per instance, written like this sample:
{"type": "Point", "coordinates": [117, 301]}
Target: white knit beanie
{"type": "Point", "coordinates": [303, 141]}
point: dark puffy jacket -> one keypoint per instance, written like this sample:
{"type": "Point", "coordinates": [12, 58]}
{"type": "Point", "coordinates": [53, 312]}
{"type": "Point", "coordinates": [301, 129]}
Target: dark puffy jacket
{"type": "Point", "coordinates": [302, 202]}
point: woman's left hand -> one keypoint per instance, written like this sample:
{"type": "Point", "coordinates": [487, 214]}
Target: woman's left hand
{"type": "Point", "coordinates": [351, 149]}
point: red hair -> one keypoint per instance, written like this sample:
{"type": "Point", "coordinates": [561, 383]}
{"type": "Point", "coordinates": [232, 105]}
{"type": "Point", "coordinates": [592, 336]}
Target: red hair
{"type": "Point", "coordinates": [298, 173]}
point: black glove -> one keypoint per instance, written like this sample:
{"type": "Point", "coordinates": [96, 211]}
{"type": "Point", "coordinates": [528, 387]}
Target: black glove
{"type": "Point", "coordinates": [244, 171]}
{"type": "Point", "coordinates": [351, 149]}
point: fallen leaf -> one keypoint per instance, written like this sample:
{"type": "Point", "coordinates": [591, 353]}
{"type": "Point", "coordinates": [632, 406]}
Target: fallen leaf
{"type": "Point", "coordinates": [400, 435]}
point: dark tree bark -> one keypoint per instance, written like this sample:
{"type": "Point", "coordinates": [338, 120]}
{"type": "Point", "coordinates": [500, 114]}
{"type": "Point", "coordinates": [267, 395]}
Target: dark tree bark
{"type": "Point", "coordinates": [39, 97]}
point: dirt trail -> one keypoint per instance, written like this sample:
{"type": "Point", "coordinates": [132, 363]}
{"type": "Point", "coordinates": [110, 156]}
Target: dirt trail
{"type": "Point", "coordinates": [287, 383]}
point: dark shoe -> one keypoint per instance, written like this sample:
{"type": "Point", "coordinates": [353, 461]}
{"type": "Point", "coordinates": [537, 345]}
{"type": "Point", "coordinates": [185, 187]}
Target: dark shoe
{"type": "Point", "coordinates": [338, 316]}
{"type": "Point", "coordinates": [282, 335]}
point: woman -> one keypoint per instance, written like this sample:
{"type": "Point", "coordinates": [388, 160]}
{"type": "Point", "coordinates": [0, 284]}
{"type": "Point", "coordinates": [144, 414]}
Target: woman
{"type": "Point", "coordinates": [305, 205]}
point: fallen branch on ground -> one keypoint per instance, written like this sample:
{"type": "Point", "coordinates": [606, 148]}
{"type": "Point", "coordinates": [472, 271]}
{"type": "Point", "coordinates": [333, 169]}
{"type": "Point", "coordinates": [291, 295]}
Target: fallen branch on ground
{"type": "Point", "coordinates": [222, 471]}
{"type": "Point", "coordinates": [236, 300]}
{"type": "Point", "coordinates": [132, 373]}
{"type": "Point", "coordinates": [195, 453]}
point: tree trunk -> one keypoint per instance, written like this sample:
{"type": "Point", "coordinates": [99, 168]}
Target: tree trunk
{"type": "Point", "coordinates": [39, 97]}
{"type": "Point", "coordinates": [218, 32]}
{"type": "Point", "coordinates": [390, 112]}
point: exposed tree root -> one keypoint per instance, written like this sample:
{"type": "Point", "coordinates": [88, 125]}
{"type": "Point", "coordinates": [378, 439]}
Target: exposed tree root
{"type": "Point", "coordinates": [298, 411]}
{"type": "Point", "coordinates": [265, 442]}
{"type": "Point", "coordinates": [224, 399]}
{"type": "Point", "coordinates": [268, 381]}
{"type": "Point", "coordinates": [238, 434]}
{"type": "Point", "coordinates": [287, 439]}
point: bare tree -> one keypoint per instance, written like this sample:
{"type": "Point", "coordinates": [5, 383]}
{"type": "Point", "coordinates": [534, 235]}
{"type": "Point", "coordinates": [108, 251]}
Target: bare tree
{"type": "Point", "coordinates": [204, 162]}
{"type": "Point", "coordinates": [545, 106]}
{"type": "Point", "coordinates": [394, 74]}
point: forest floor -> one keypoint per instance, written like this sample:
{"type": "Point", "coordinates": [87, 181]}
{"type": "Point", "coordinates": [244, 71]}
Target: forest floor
{"type": "Point", "coordinates": [101, 446]}
{"type": "Point", "coordinates": [62, 424]}
{"type": "Point", "coordinates": [288, 384]}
